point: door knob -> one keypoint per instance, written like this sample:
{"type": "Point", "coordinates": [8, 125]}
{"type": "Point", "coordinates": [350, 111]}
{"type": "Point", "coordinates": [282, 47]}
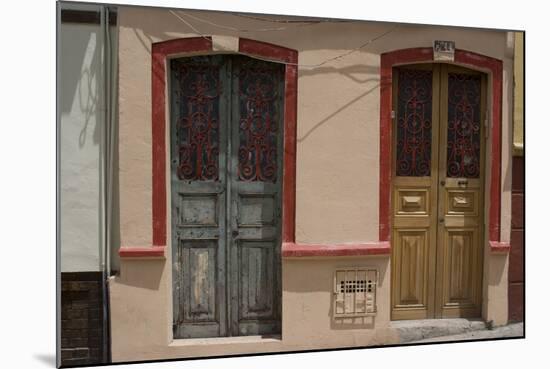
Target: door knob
{"type": "Point", "coordinates": [441, 220]}
{"type": "Point", "coordinates": [235, 233]}
{"type": "Point", "coordinates": [442, 183]}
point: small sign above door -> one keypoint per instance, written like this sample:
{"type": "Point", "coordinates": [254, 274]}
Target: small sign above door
{"type": "Point", "coordinates": [444, 50]}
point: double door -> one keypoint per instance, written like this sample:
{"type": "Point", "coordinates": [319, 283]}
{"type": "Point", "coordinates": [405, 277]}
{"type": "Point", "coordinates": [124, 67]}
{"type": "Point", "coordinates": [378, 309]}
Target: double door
{"type": "Point", "coordinates": [437, 191]}
{"type": "Point", "coordinates": [226, 141]}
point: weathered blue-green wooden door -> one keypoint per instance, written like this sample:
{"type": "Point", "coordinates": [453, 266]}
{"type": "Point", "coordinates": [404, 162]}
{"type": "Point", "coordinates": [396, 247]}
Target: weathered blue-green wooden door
{"type": "Point", "coordinates": [226, 143]}
{"type": "Point", "coordinates": [255, 212]}
{"type": "Point", "coordinates": [199, 122]}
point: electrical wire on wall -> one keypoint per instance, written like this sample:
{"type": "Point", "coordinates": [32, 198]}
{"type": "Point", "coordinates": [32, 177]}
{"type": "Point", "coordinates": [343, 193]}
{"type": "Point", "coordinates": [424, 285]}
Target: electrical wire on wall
{"type": "Point", "coordinates": [240, 30]}
{"type": "Point", "coordinates": [292, 21]}
{"type": "Point", "coordinates": [305, 66]}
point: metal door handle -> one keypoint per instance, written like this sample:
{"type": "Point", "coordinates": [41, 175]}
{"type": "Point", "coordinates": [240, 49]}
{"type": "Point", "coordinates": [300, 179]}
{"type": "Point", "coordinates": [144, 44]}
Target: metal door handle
{"type": "Point", "coordinates": [442, 183]}
{"type": "Point", "coordinates": [235, 233]}
{"type": "Point", "coordinates": [441, 220]}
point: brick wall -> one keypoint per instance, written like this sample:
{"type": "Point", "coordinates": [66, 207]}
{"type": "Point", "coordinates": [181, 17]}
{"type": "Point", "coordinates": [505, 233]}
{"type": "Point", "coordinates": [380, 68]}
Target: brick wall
{"type": "Point", "coordinates": [515, 273]}
{"type": "Point", "coordinates": [81, 319]}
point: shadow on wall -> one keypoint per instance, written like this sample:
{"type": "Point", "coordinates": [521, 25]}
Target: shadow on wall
{"type": "Point", "coordinates": [353, 72]}
{"type": "Point", "coordinates": [497, 264]}
{"type": "Point", "coordinates": [508, 96]}
{"type": "Point", "coordinates": [115, 203]}
{"type": "Point", "coordinates": [320, 278]}
{"type": "Point", "coordinates": [141, 273]}
{"type": "Point", "coordinates": [80, 78]}
{"type": "Point", "coordinates": [330, 116]}
{"type": "Point", "coordinates": [367, 322]}
{"type": "Point", "coordinates": [337, 36]}
{"type": "Point", "coordinates": [320, 273]}
{"type": "Point", "coordinates": [81, 94]}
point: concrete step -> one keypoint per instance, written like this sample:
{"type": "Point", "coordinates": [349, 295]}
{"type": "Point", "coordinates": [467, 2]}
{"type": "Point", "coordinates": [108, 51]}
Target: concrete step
{"type": "Point", "coordinates": [507, 331]}
{"type": "Point", "coordinates": [416, 330]}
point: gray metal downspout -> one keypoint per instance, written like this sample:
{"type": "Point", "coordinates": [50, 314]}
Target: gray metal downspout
{"type": "Point", "coordinates": [110, 177]}
{"type": "Point", "coordinates": [58, 187]}
{"type": "Point", "coordinates": [107, 176]}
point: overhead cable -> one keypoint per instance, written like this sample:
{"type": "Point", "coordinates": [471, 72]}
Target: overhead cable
{"type": "Point", "coordinates": [305, 66]}
{"type": "Point", "coordinates": [233, 28]}
{"type": "Point", "coordinates": [274, 20]}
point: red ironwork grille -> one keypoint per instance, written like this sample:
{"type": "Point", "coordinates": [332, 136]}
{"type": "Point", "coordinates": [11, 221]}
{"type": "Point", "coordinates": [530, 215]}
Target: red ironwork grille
{"type": "Point", "coordinates": [258, 95]}
{"type": "Point", "coordinates": [197, 126]}
{"type": "Point", "coordinates": [464, 126]}
{"type": "Point", "coordinates": [414, 123]}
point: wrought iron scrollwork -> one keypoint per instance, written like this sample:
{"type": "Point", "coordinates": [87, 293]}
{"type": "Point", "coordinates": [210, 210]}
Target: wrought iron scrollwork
{"type": "Point", "coordinates": [464, 126]}
{"type": "Point", "coordinates": [197, 125]}
{"type": "Point", "coordinates": [258, 94]}
{"type": "Point", "coordinates": [414, 123]}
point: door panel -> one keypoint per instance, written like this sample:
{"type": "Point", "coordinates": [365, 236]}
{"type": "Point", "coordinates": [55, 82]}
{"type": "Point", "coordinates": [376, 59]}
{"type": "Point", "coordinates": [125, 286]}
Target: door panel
{"type": "Point", "coordinates": [199, 275]}
{"type": "Point", "coordinates": [256, 274]}
{"type": "Point", "coordinates": [226, 142]}
{"type": "Point", "coordinates": [461, 290]}
{"type": "Point", "coordinates": [256, 170]}
{"type": "Point", "coordinates": [411, 264]}
{"type": "Point", "coordinates": [462, 202]}
{"type": "Point", "coordinates": [460, 263]}
{"type": "Point", "coordinates": [414, 192]}
{"type": "Point", "coordinates": [412, 202]}
{"type": "Point", "coordinates": [461, 166]}
{"type": "Point", "coordinates": [255, 210]}
{"type": "Point", "coordinates": [199, 103]}
{"type": "Point", "coordinates": [437, 192]}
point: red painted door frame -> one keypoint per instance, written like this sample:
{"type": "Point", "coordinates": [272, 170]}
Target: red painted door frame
{"type": "Point", "coordinates": [465, 58]}
{"type": "Point", "coordinates": [161, 51]}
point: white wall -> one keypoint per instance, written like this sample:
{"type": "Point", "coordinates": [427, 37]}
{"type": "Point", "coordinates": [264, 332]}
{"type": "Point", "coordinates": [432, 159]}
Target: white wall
{"type": "Point", "coordinates": [80, 136]}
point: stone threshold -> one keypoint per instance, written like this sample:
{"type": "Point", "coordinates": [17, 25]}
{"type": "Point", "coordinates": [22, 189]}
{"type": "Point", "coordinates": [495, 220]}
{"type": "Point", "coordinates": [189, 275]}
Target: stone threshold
{"type": "Point", "coordinates": [226, 340]}
{"type": "Point", "coordinates": [417, 330]}
{"type": "Point", "coordinates": [514, 330]}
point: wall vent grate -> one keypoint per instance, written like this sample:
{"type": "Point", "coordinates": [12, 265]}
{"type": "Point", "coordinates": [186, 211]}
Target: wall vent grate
{"type": "Point", "coordinates": [355, 292]}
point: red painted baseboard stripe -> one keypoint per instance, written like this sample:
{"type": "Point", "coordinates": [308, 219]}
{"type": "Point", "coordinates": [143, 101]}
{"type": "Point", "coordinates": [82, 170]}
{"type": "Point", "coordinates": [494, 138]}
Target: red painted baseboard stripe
{"type": "Point", "coordinates": [499, 247]}
{"type": "Point", "coordinates": [291, 249]}
{"type": "Point", "coordinates": [133, 252]}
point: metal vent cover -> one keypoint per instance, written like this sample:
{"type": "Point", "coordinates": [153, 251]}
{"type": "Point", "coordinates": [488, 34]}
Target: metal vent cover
{"type": "Point", "coordinates": [355, 292]}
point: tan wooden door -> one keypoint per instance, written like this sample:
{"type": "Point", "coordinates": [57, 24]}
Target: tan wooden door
{"type": "Point", "coordinates": [437, 191]}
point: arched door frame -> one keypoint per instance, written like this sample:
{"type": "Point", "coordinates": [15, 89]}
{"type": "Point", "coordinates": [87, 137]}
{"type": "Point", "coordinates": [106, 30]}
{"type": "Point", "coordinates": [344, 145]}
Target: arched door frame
{"type": "Point", "coordinates": [160, 53]}
{"type": "Point", "coordinates": [491, 66]}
